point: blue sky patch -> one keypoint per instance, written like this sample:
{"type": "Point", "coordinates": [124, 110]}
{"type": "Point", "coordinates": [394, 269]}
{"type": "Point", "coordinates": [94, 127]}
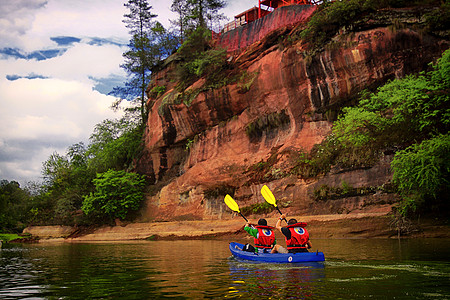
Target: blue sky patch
{"type": "Point", "coordinates": [101, 42]}
{"type": "Point", "coordinates": [29, 76]}
{"type": "Point", "coordinates": [37, 55]}
{"type": "Point", "coordinates": [65, 40]}
{"type": "Point", "coordinates": [105, 85]}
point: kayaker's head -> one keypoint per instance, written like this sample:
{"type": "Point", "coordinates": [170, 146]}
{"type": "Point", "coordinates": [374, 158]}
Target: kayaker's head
{"type": "Point", "coordinates": [262, 222]}
{"type": "Point", "coordinates": [292, 222]}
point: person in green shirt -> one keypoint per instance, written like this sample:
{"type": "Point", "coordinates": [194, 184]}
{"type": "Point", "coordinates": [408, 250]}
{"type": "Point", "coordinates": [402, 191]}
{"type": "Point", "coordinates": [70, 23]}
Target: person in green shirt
{"type": "Point", "coordinates": [264, 237]}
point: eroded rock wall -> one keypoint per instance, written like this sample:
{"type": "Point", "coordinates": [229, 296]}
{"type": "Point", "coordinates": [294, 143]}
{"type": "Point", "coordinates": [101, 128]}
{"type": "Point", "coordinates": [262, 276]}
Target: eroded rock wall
{"type": "Point", "coordinates": [207, 145]}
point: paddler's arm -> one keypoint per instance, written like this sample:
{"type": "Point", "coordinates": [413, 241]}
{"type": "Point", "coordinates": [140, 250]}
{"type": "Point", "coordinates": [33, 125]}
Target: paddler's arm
{"type": "Point", "coordinates": [309, 244]}
{"type": "Point", "coordinates": [278, 225]}
{"type": "Point", "coordinates": [251, 230]}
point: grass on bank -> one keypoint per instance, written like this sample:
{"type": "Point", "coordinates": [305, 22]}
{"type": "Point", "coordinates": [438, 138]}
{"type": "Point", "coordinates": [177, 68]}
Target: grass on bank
{"type": "Point", "coordinates": [7, 237]}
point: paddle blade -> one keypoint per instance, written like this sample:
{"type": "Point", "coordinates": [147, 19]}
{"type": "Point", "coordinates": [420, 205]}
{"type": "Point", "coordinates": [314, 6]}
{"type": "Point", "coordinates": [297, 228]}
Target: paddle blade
{"type": "Point", "coordinates": [231, 203]}
{"type": "Point", "coordinates": [267, 194]}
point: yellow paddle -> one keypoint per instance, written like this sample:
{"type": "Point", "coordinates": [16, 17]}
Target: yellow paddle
{"type": "Point", "coordinates": [270, 198]}
{"type": "Point", "coordinates": [233, 205]}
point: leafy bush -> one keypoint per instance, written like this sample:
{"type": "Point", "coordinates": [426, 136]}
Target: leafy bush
{"type": "Point", "coordinates": [157, 91]}
{"type": "Point", "coordinates": [117, 193]}
{"type": "Point", "coordinates": [422, 172]}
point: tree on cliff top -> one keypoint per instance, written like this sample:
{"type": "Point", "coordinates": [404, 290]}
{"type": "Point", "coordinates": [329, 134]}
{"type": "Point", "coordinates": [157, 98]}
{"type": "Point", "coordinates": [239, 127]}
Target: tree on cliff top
{"type": "Point", "coordinates": [139, 59]}
{"type": "Point", "coordinates": [204, 11]}
{"type": "Point", "coordinates": [194, 14]}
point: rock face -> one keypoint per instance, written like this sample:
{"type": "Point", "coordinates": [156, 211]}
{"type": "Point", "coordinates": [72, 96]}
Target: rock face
{"type": "Point", "coordinates": [197, 152]}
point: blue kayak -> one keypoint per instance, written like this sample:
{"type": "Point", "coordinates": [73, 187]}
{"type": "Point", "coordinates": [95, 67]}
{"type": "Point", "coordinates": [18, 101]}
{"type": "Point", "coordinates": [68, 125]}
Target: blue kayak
{"type": "Point", "coordinates": [236, 250]}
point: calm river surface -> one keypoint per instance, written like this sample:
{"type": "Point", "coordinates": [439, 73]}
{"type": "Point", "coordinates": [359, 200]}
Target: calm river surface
{"type": "Point", "coordinates": [194, 269]}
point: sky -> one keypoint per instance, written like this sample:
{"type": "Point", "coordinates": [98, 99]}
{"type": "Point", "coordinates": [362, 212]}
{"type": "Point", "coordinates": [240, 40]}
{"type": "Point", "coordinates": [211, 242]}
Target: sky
{"type": "Point", "coordinates": [59, 59]}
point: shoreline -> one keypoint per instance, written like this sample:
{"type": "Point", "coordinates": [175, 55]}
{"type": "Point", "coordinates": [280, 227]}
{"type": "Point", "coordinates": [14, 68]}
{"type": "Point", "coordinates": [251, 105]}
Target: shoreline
{"type": "Point", "coordinates": [360, 225]}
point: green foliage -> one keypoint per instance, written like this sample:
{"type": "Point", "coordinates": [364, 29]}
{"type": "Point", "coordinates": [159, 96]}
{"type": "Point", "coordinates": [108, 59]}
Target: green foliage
{"type": "Point", "coordinates": [358, 126]}
{"type": "Point", "coordinates": [114, 145]}
{"type": "Point", "coordinates": [7, 237]}
{"type": "Point", "coordinates": [158, 90]}
{"type": "Point", "coordinates": [412, 111]}
{"type": "Point", "coordinates": [199, 12]}
{"type": "Point", "coordinates": [415, 106]}
{"type": "Point", "coordinates": [200, 61]}
{"type": "Point", "coordinates": [206, 63]}
{"type": "Point", "coordinates": [332, 16]}
{"type": "Point", "coordinates": [116, 194]}
{"type": "Point", "coordinates": [13, 205]}
{"type": "Point", "coordinates": [325, 192]}
{"type": "Point", "coordinates": [246, 80]}
{"type": "Point", "coordinates": [413, 101]}
{"type": "Point", "coordinates": [189, 144]}
{"type": "Point", "coordinates": [141, 56]}
{"type": "Point", "coordinates": [422, 171]}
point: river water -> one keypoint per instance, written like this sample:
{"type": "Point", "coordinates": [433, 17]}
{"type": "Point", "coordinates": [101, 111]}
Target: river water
{"type": "Point", "coordinates": [199, 269]}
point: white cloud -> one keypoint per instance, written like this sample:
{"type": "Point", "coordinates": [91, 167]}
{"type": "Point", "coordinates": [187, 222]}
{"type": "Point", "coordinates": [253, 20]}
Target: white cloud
{"type": "Point", "coordinates": [16, 19]}
{"type": "Point", "coordinates": [41, 116]}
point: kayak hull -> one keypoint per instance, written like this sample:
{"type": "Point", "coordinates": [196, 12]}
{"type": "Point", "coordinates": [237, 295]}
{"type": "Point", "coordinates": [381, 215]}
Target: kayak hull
{"type": "Point", "coordinates": [235, 249]}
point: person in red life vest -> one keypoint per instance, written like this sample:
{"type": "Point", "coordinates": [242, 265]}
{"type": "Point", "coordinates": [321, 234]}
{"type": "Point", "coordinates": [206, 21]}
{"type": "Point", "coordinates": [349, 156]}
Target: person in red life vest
{"type": "Point", "coordinates": [264, 238]}
{"type": "Point", "coordinates": [297, 237]}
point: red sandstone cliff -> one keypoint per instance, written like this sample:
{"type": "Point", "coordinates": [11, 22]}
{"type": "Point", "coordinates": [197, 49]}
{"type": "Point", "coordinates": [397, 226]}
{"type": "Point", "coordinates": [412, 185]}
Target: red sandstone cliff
{"type": "Point", "coordinates": [299, 91]}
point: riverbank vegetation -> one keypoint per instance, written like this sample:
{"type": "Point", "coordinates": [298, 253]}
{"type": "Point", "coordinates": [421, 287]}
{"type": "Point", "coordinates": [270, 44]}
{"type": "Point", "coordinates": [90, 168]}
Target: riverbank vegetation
{"type": "Point", "coordinates": [95, 183]}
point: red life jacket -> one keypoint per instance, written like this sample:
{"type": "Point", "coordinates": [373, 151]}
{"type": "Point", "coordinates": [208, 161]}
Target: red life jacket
{"type": "Point", "coordinates": [299, 236]}
{"type": "Point", "coordinates": [266, 237]}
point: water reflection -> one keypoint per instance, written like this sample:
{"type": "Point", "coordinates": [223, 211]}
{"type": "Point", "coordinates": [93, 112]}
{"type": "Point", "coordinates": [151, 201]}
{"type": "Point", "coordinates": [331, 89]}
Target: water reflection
{"type": "Point", "coordinates": [274, 280]}
{"type": "Point", "coordinates": [196, 269]}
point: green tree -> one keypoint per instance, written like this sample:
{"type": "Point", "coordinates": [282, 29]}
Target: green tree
{"type": "Point", "coordinates": [203, 11]}
{"type": "Point", "coordinates": [116, 195]}
{"type": "Point", "coordinates": [164, 42]}
{"type": "Point", "coordinates": [139, 59]}
{"type": "Point", "coordinates": [114, 144]}
{"type": "Point", "coordinates": [67, 179]}
{"type": "Point", "coordinates": [13, 206]}
{"type": "Point", "coordinates": [182, 22]}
